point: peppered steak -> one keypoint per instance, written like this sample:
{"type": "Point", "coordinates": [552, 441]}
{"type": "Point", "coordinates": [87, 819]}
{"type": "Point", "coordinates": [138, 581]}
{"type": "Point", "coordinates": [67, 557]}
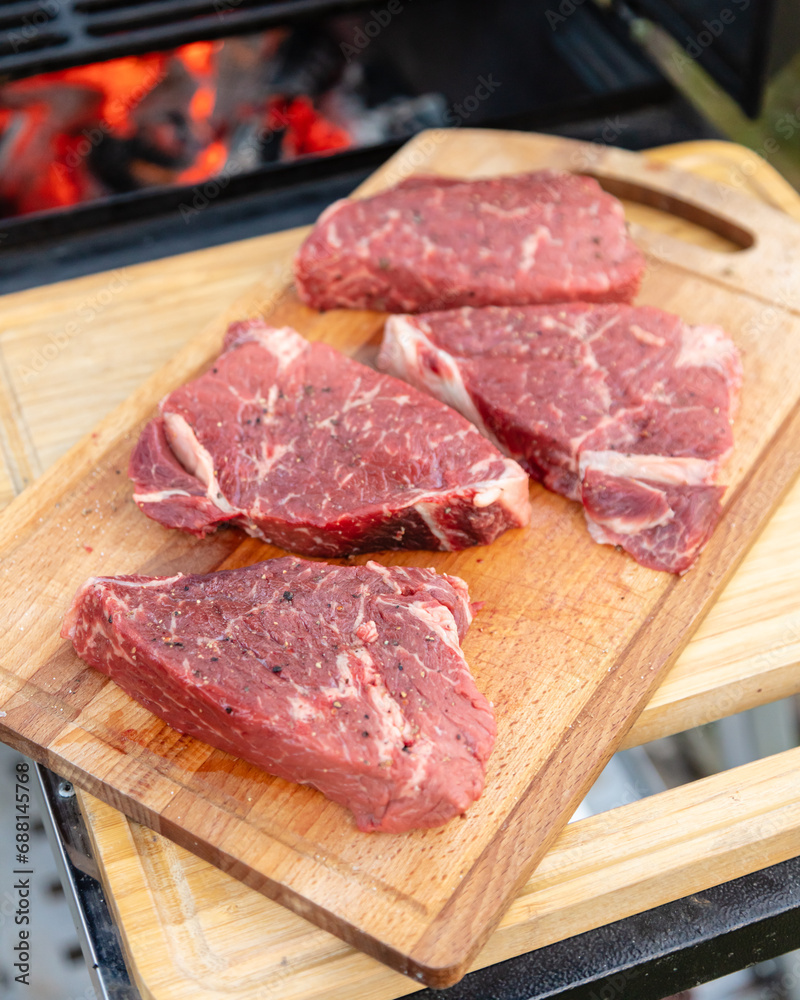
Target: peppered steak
{"type": "Point", "coordinates": [321, 455]}
{"type": "Point", "coordinates": [627, 409]}
{"type": "Point", "coordinates": [347, 678]}
{"type": "Point", "coordinates": [437, 243]}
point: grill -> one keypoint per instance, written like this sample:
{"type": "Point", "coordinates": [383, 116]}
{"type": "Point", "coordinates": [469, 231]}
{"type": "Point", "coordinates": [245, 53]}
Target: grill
{"type": "Point", "coordinates": [37, 36]}
{"type": "Point", "coordinates": [587, 71]}
{"type": "Point", "coordinates": [577, 74]}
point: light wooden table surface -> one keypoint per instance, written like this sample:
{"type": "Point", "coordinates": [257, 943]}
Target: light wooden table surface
{"type": "Point", "coordinates": [70, 352]}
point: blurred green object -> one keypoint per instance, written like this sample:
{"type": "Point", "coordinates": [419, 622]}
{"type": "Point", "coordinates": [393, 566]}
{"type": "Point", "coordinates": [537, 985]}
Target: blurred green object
{"type": "Point", "coordinates": [774, 135]}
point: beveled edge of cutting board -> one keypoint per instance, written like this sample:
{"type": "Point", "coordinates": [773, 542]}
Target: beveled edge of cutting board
{"type": "Point", "coordinates": [161, 960]}
{"type": "Point", "coordinates": [424, 961]}
{"type": "Point", "coordinates": [741, 219]}
{"type": "Point", "coordinates": [775, 467]}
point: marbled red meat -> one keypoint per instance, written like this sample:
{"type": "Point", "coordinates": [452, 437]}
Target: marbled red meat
{"type": "Point", "coordinates": [661, 510]}
{"type": "Point", "coordinates": [321, 455]}
{"type": "Point", "coordinates": [572, 390]}
{"type": "Point", "coordinates": [436, 243]}
{"type": "Point", "coordinates": [347, 678]}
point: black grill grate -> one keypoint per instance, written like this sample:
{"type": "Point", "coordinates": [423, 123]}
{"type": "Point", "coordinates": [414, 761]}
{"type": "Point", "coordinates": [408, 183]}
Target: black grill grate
{"type": "Point", "coordinates": [41, 35]}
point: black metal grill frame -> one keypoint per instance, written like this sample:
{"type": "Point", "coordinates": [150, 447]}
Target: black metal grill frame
{"type": "Point", "coordinates": [38, 36]}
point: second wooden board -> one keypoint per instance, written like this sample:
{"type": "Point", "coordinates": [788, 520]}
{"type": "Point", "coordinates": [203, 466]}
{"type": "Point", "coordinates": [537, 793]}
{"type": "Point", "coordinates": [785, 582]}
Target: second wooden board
{"type": "Point", "coordinates": [572, 639]}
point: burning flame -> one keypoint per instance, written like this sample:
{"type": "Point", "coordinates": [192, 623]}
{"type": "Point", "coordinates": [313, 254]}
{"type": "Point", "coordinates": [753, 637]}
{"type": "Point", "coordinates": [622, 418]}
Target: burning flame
{"type": "Point", "coordinates": [121, 84]}
{"type": "Point", "coordinates": [199, 60]}
{"type": "Point", "coordinates": [199, 56]}
{"type": "Point", "coordinates": [307, 131]}
{"type": "Point", "coordinates": [209, 163]}
{"type": "Point", "coordinates": [60, 131]}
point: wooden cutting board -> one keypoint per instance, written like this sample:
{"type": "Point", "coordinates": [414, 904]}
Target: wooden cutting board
{"type": "Point", "coordinates": [572, 639]}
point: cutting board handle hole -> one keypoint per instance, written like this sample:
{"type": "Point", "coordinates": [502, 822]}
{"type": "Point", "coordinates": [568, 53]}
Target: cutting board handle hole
{"type": "Point", "coordinates": [710, 229]}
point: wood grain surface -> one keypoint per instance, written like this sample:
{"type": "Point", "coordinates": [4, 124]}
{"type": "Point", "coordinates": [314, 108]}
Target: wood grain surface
{"type": "Point", "coordinates": [194, 933]}
{"type": "Point", "coordinates": [607, 626]}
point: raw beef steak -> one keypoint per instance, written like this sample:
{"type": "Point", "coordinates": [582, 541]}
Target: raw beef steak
{"type": "Point", "coordinates": [625, 408]}
{"type": "Point", "coordinates": [347, 678]}
{"type": "Point", "coordinates": [660, 510]}
{"type": "Point", "coordinates": [321, 455]}
{"type": "Point", "coordinates": [436, 243]}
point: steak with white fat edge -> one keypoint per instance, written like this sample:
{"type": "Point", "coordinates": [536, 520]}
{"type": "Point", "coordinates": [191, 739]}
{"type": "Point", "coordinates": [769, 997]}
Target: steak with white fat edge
{"type": "Point", "coordinates": [625, 408]}
{"type": "Point", "coordinates": [309, 450]}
